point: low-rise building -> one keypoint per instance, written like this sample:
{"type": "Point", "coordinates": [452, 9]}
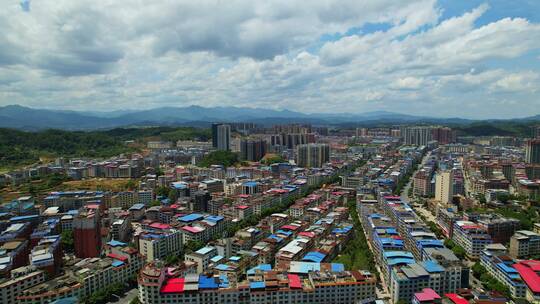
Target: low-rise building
{"type": "Point", "coordinates": [524, 244]}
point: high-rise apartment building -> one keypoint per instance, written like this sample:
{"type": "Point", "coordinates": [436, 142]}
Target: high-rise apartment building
{"type": "Point", "coordinates": [312, 155]}
{"type": "Point", "coordinates": [532, 151]}
{"type": "Point", "coordinates": [214, 134]}
{"type": "Point", "coordinates": [86, 234]}
{"type": "Point", "coordinates": [223, 137]}
{"type": "Point", "coordinates": [252, 150]}
{"type": "Point", "coordinates": [443, 135]}
{"type": "Point", "coordinates": [417, 136]}
{"type": "Point", "coordinates": [444, 187]}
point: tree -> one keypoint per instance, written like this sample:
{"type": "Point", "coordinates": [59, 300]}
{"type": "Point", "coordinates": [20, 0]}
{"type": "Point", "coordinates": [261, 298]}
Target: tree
{"type": "Point", "coordinates": [274, 159]}
{"type": "Point", "coordinates": [173, 196]}
{"type": "Point", "coordinates": [172, 259]}
{"type": "Point", "coordinates": [459, 252]}
{"type": "Point", "coordinates": [192, 246]}
{"type": "Point", "coordinates": [224, 158]}
{"type": "Point", "coordinates": [67, 240]}
{"type": "Point", "coordinates": [130, 185]}
{"type": "Point", "coordinates": [478, 270]}
{"type": "Point", "coordinates": [135, 301]}
{"type": "Point", "coordinates": [162, 191]}
{"type": "Point", "coordinates": [155, 203]}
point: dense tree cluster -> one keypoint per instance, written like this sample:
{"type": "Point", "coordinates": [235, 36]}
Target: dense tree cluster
{"type": "Point", "coordinates": [224, 158]}
{"type": "Point", "coordinates": [22, 148]}
{"type": "Point", "coordinates": [357, 254]}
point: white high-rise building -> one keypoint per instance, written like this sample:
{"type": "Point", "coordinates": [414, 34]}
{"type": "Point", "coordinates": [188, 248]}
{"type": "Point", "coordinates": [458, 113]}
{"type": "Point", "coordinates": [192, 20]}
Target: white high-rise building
{"type": "Point", "coordinates": [224, 137]}
{"type": "Point", "coordinates": [444, 187]}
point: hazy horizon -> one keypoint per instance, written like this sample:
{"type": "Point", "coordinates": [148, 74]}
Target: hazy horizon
{"type": "Point", "coordinates": [444, 59]}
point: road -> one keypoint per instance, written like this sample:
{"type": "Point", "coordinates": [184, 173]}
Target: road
{"type": "Point", "coordinates": [405, 194]}
{"type": "Point", "coordinates": [127, 297]}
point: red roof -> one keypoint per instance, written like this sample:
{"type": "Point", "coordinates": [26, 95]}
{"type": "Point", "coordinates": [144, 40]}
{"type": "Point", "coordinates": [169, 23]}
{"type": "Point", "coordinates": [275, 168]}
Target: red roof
{"type": "Point", "coordinates": [534, 264]}
{"type": "Point", "coordinates": [528, 275]}
{"type": "Point", "coordinates": [242, 207]}
{"type": "Point", "coordinates": [192, 229]}
{"type": "Point", "coordinates": [289, 227]}
{"type": "Point", "coordinates": [309, 234]}
{"type": "Point", "coordinates": [175, 285]}
{"type": "Point", "coordinates": [294, 281]}
{"type": "Point", "coordinates": [160, 226]}
{"type": "Point", "coordinates": [427, 294]}
{"type": "Point", "coordinates": [117, 257]}
{"type": "Point", "coordinates": [456, 298]}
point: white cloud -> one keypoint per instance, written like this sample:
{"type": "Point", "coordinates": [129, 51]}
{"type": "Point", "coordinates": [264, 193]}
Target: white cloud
{"type": "Point", "coordinates": [111, 54]}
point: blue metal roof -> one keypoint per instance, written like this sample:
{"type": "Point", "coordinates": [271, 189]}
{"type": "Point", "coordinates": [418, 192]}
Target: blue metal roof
{"type": "Point", "coordinates": [137, 207]}
{"type": "Point", "coordinates": [23, 217]}
{"type": "Point", "coordinates": [216, 259]}
{"type": "Point", "coordinates": [432, 266]}
{"type": "Point", "coordinates": [222, 267]}
{"type": "Point", "coordinates": [337, 267]}
{"type": "Point", "coordinates": [179, 185]}
{"type": "Point", "coordinates": [191, 217]}
{"type": "Point", "coordinates": [251, 184]}
{"type": "Point", "coordinates": [207, 282]}
{"type": "Point", "coordinates": [287, 233]}
{"type": "Point", "coordinates": [214, 218]}
{"type": "Point", "coordinates": [431, 243]}
{"type": "Point", "coordinates": [115, 243]}
{"type": "Point", "coordinates": [306, 267]}
{"type": "Point", "coordinates": [395, 254]}
{"type": "Point", "coordinates": [275, 237]}
{"type": "Point", "coordinates": [391, 231]}
{"type": "Point", "coordinates": [506, 268]}
{"type": "Point", "coordinates": [262, 267]}
{"type": "Point", "coordinates": [117, 263]}
{"type": "Point", "coordinates": [314, 256]}
{"type": "Point", "coordinates": [205, 250]}
{"type": "Point", "coordinates": [223, 281]}
{"type": "Point", "coordinates": [397, 261]}
{"type": "Point", "coordinates": [257, 285]}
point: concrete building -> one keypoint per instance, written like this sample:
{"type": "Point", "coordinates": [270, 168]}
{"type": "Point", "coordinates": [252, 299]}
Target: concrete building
{"type": "Point", "coordinates": [471, 237]}
{"type": "Point", "coordinates": [444, 188]}
{"type": "Point", "coordinates": [87, 234]}
{"type": "Point", "coordinates": [223, 133]}
{"type": "Point", "coordinates": [202, 257]}
{"type": "Point", "coordinates": [312, 155]}
{"type": "Point", "coordinates": [524, 244]}
{"type": "Point", "coordinates": [20, 280]}
{"type": "Point", "coordinates": [303, 283]}
{"type": "Point", "coordinates": [532, 151]}
{"type": "Point", "coordinates": [417, 136]}
{"type": "Point", "coordinates": [160, 241]}
{"type": "Point", "coordinates": [252, 150]}
{"type": "Point", "coordinates": [499, 265]}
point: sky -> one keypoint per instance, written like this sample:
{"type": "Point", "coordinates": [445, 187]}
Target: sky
{"type": "Point", "coordinates": [446, 58]}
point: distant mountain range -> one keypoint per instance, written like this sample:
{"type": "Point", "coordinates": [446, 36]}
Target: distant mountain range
{"type": "Point", "coordinates": [19, 117]}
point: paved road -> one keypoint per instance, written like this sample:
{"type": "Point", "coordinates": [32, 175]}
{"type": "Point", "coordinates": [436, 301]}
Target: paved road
{"type": "Point", "coordinates": [405, 193]}
{"type": "Point", "coordinates": [127, 297]}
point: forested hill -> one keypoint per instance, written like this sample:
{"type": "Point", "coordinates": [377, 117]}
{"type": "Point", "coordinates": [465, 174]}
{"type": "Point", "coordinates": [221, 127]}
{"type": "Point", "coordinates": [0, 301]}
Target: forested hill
{"type": "Point", "coordinates": [21, 148]}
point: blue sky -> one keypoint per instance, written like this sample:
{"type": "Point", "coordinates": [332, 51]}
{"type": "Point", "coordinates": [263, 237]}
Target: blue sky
{"type": "Point", "coordinates": [473, 59]}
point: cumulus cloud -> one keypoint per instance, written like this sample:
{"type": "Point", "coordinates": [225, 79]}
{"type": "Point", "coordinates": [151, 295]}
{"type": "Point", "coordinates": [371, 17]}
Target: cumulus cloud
{"type": "Point", "coordinates": [111, 54]}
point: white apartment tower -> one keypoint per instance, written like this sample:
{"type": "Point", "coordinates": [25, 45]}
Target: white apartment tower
{"type": "Point", "coordinates": [443, 187]}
